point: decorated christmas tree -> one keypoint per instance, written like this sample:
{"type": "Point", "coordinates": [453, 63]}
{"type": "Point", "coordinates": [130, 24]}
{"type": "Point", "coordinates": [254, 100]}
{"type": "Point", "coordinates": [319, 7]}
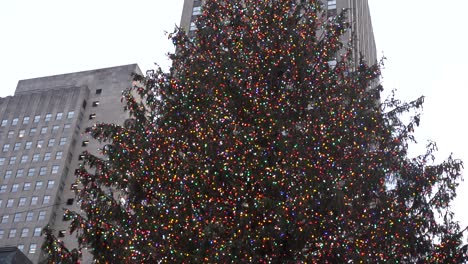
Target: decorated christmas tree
{"type": "Point", "coordinates": [254, 148]}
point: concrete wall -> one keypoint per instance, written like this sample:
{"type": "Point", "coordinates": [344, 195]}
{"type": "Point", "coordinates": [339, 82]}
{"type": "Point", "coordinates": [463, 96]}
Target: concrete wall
{"type": "Point", "coordinates": [74, 92]}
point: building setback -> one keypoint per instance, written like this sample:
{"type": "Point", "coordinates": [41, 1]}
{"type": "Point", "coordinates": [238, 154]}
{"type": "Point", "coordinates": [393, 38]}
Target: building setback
{"type": "Point", "coordinates": [41, 139]}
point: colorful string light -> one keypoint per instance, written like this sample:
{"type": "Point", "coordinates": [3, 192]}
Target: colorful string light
{"type": "Point", "coordinates": [254, 149]}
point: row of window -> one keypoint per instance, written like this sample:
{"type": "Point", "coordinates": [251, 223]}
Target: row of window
{"type": "Point", "coordinates": [32, 248]}
{"type": "Point", "coordinates": [28, 144]}
{"type": "Point", "coordinates": [22, 201]}
{"type": "Point", "coordinates": [37, 118]}
{"type": "Point", "coordinates": [33, 131]}
{"type": "Point", "coordinates": [26, 186]}
{"type": "Point", "coordinates": [31, 172]}
{"type": "Point", "coordinates": [24, 232]}
{"type": "Point", "coordinates": [37, 232]}
{"type": "Point", "coordinates": [35, 158]}
{"type": "Point", "coordinates": [331, 8]}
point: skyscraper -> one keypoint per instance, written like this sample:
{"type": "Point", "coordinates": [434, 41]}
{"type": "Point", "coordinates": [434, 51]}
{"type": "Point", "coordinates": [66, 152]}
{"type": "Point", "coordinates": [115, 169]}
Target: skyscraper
{"type": "Point", "coordinates": [41, 139]}
{"type": "Point", "coordinates": [42, 135]}
{"type": "Point", "coordinates": [358, 15]}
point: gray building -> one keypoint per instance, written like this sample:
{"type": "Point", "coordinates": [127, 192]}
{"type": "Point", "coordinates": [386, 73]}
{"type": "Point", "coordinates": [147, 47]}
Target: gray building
{"type": "Point", "coordinates": [12, 255]}
{"type": "Point", "coordinates": [42, 136]}
{"type": "Point", "coordinates": [358, 15]}
{"type": "Point", "coordinates": [41, 139]}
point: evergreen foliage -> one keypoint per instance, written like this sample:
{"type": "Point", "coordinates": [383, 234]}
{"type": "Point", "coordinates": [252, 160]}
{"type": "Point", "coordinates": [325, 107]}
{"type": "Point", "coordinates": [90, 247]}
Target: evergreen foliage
{"type": "Point", "coordinates": [253, 148]}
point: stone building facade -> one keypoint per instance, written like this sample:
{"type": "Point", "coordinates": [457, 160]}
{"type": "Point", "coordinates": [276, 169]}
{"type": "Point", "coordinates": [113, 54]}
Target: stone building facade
{"type": "Point", "coordinates": [41, 139]}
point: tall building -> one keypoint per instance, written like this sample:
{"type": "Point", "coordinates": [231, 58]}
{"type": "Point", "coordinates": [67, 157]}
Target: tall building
{"type": "Point", "coordinates": [358, 15]}
{"type": "Point", "coordinates": [41, 139]}
{"type": "Point", "coordinates": [42, 135]}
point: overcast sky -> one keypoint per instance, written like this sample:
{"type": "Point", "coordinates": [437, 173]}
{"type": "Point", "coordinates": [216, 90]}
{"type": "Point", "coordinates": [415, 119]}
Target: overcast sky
{"type": "Point", "coordinates": [425, 42]}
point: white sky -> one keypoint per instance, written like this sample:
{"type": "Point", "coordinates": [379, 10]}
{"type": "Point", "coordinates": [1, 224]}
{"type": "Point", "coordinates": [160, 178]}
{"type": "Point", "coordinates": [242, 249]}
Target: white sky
{"type": "Point", "coordinates": [425, 42]}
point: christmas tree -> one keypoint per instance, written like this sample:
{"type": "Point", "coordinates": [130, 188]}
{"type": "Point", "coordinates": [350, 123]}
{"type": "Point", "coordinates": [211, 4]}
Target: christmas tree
{"type": "Point", "coordinates": [254, 148]}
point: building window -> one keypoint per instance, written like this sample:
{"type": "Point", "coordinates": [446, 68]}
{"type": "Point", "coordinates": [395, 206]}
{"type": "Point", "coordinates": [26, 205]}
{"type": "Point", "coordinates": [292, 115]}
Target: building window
{"type": "Point", "coordinates": [12, 160]}
{"type": "Point", "coordinates": [38, 185]}
{"type": "Point", "coordinates": [4, 122]}
{"type": "Point", "coordinates": [1, 202]}
{"type": "Point", "coordinates": [70, 114]}
{"type": "Point", "coordinates": [37, 231]}
{"type": "Point", "coordinates": [12, 233]}
{"type": "Point", "coordinates": [25, 120]}
{"type": "Point", "coordinates": [43, 130]}
{"type": "Point", "coordinates": [20, 247]}
{"type": "Point", "coordinates": [331, 8]}
{"type": "Point", "coordinates": [47, 156]}
{"type": "Point", "coordinates": [16, 146]}
{"type": "Point", "coordinates": [22, 201]}
{"type": "Point", "coordinates": [19, 173]}
{"type": "Point", "coordinates": [92, 116]}
{"type": "Point", "coordinates": [10, 134]}
{"type": "Point", "coordinates": [63, 141]}
{"type": "Point", "coordinates": [21, 133]}
{"type": "Point", "coordinates": [14, 187]}
{"type": "Point", "coordinates": [33, 246]}
{"type": "Point", "coordinates": [28, 145]}
{"type": "Point", "coordinates": [48, 116]}
{"type": "Point", "coordinates": [10, 203]}
{"type": "Point", "coordinates": [41, 216]}
{"type": "Point", "coordinates": [14, 122]}
{"type": "Point", "coordinates": [17, 217]}
{"type": "Point", "coordinates": [70, 201]}
{"type": "Point", "coordinates": [31, 172]}
{"type": "Point", "coordinates": [37, 118]}
{"type": "Point", "coordinates": [46, 200]}
{"type": "Point", "coordinates": [193, 26]}
{"type": "Point", "coordinates": [50, 184]}
{"type": "Point", "coordinates": [25, 232]}
{"type": "Point", "coordinates": [55, 169]}
{"type": "Point", "coordinates": [6, 147]}
{"type": "Point", "coordinates": [62, 233]}
{"type": "Point", "coordinates": [40, 143]}
{"type": "Point", "coordinates": [66, 127]}
{"type": "Point", "coordinates": [55, 129]}
{"type": "Point", "coordinates": [29, 216]}
{"type": "Point", "coordinates": [32, 131]}
{"type": "Point", "coordinates": [42, 171]}
{"type": "Point", "coordinates": [58, 155]}
{"type": "Point", "coordinates": [5, 219]}
{"type": "Point", "coordinates": [27, 186]}
{"type": "Point", "coordinates": [95, 104]}
{"type": "Point", "coordinates": [196, 11]}
{"type": "Point", "coordinates": [35, 158]}
{"type": "Point", "coordinates": [7, 174]}
{"type": "Point", "coordinates": [3, 188]}
{"type": "Point", "coordinates": [34, 200]}
{"type": "Point", "coordinates": [24, 159]}
{"type": "Point", "coordinates": [59, 116]}
{"type": "Point", "coordinates": [98, 91]}
{"type": "Point", "coordinates": [2, 161]}
{"type": "Point", "coordinates": [2, 233]}
{"type": "Point", "coordinates": [51, 142]}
